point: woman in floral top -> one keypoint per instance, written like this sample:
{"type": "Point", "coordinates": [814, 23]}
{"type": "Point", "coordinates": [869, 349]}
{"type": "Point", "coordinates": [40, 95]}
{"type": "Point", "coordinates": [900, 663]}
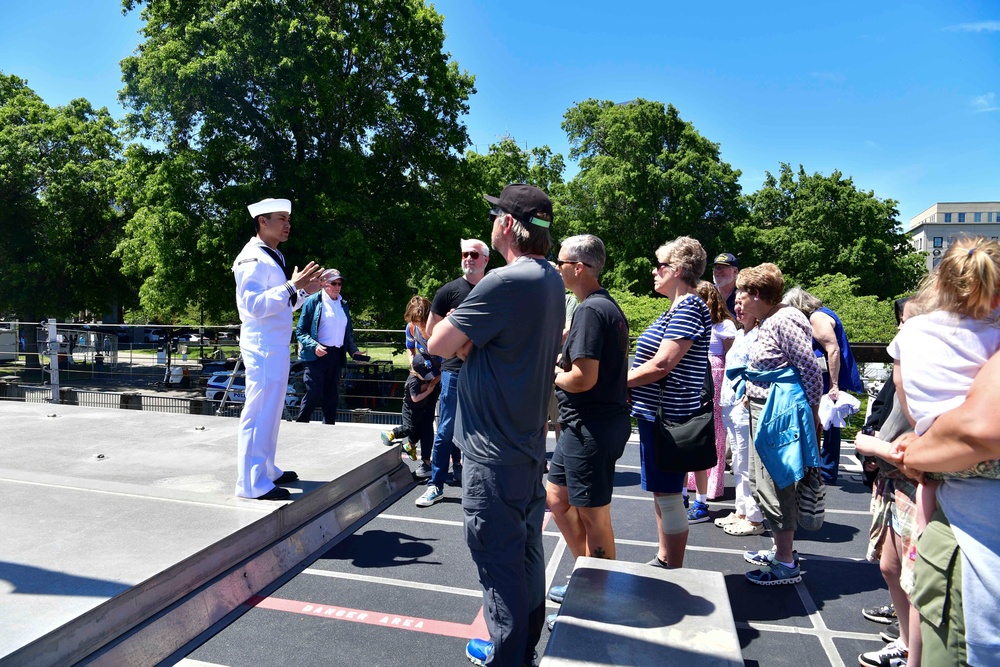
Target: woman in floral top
{"type": "Point", "coordinates": [783, 389]}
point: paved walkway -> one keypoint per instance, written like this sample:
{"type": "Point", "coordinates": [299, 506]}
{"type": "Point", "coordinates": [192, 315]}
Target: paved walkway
{"type": "Point", "coordinates": [403, 589]}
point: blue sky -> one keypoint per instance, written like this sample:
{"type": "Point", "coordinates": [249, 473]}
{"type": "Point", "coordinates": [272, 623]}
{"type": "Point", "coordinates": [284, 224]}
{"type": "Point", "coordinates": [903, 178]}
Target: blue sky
{"type": "Point", "coordinates": [903, 97]}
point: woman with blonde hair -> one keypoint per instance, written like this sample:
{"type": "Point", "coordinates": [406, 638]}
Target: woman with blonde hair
{"type": "Point", "coordinates": [937, 356]}
{"type": "Point", "coordinates": [671, 361]}
{"type": "Point", "coordinates": [710, 484]}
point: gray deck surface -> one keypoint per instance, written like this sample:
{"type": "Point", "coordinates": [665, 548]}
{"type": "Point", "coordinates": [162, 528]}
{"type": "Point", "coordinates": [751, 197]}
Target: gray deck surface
{"type": "Point", "coordinates": [94, 501]}
{"type": "Point", "coordinates": [78, 529]}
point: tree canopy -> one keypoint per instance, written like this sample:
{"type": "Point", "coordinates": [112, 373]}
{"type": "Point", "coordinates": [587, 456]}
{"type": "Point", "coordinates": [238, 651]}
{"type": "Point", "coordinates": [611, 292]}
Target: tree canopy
{"type": "Point", "coordinates": [646, 176]}
{"type": "Point", "coordinates": [58, 222]}
{"type": "Point", "coordinates": [352, 110]}
{"type": "Point", "coordinates": [814, 225]}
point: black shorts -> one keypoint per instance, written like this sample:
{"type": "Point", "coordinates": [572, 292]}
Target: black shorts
{"type": "Point", "coordinates": [584, 459]}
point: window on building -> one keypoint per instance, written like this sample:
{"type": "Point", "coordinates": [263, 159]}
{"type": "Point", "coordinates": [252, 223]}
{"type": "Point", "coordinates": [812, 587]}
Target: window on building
{"type": "Point", "coordinates": [951, 239]}
{"type": "Point", "coordinates": [961, 217]}
{"type": "Point", "coordinates": [996, 216]}
{"type": "Point", "coordinates": [937, 260]}
{"type": "Point", "coordinates": [989, 217]}
{"type": "Point", "coordinates": [938, 241]}
{"type": "Point", "coordinates": [947, 217]}
{"type": "Point", "coordinates": [977, 217]}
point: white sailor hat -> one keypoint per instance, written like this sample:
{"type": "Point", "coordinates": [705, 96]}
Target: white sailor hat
{"type": "Point", "coordinates": [265, 206]}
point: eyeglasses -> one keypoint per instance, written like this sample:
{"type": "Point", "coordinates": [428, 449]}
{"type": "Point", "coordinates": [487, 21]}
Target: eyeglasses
{"type": "Point", "coordinates": [662, 265]}
{"type": "Point", "coordinates": [560, 262]}
{"type": "Point", "coordinates": [470, 254]}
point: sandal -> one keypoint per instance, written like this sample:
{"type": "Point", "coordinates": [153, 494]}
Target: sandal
{"type": "Point", "coordinates": [743, 528]}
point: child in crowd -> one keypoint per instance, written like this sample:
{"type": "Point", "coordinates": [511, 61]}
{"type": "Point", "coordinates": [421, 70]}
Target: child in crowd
{"type": "Point", "coordinates": [937, 355]}
{"type": "Point", "coordinates": [421, 390]}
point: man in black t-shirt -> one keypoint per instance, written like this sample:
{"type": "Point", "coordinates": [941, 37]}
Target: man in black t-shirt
{"type": "Point", "coordinates": [591, 387]}
{"type": "Point", "coordinates": [475, 256]}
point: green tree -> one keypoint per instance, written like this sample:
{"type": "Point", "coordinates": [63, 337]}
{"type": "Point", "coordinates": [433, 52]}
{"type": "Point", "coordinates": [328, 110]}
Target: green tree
{"type": "Point", "coordinates": [866, 318]}
{"type": "Point", "coordinates": [646, 176]}
{"type": "Point", "coordinates": [351, 110]}
{"type": "Point", "coordinates": [813, 225]}
{"type": "Point", "coordinates": [58, 223]}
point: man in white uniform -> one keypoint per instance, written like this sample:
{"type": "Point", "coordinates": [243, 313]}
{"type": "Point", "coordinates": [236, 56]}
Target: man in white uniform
{"type": "Point", "coordinates": [266, 294]}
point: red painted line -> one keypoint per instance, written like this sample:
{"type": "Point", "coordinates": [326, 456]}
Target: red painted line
{"type": "Point", "coordinates": [428, 626]}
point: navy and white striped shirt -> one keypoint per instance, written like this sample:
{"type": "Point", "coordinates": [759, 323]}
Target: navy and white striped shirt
{"type": "Point", "coordinates": [688, 320]}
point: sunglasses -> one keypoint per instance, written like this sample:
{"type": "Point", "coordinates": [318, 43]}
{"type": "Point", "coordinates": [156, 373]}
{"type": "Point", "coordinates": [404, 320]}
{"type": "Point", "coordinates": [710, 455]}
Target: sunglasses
{"type": "Point", "coordinates": [470, 254]}
{"type": "Point", "coordinates": [662, 265]}
{"type": "Point", "coordinates": [336, 283]}
{"type": "Point", "coordinates": [494, 212]}
{"type": "Point", "coordinates": [560, 262]}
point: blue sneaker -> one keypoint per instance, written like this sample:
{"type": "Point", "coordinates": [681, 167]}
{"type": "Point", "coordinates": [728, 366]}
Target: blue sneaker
{"type": "Point", "coordinates": [698, 512]}
{"type": "Point", "coordinates": [557, 594]}
{"type": "Point", "coordinates": [478, 651]}
{"type": "Point", "coordinates": [765, 556]}
{"type": "Point", "coordinates": [431, 496]}
{"type": "Point", "coordinates": [550, 621]}
{"type": "Point", "coordinates": [387, 438]}
{"type": "Point", "coordinates": [775, 574]}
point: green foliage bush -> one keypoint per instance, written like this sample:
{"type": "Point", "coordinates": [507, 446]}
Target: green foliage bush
{"type": "Point", "coordinates": [640, 311]}
{"type": "Point", "coordinates": [865, 318]}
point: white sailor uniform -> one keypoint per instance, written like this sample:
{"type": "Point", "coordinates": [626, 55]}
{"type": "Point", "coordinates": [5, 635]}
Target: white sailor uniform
{"type": "Point", "coordinates": [265, 299]}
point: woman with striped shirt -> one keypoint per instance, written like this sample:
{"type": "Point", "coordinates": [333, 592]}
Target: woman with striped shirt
{"type": "Point", "coordinates": [672, 355]}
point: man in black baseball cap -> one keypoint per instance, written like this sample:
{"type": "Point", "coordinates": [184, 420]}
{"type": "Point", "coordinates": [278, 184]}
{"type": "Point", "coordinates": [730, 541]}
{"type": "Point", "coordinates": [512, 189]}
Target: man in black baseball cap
{"type": "Point", "coordinates": [509, 328]}
{"type": "Point", "coordinates": [724, 270]}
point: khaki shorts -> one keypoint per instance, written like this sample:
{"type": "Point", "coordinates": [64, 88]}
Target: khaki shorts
{"type": "Point", "coordinates": [779, 506]}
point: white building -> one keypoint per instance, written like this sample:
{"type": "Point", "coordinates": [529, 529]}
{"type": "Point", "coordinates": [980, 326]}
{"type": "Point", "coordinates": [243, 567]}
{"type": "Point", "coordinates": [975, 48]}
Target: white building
{"type": "Point", "coordinates": [936, 228]}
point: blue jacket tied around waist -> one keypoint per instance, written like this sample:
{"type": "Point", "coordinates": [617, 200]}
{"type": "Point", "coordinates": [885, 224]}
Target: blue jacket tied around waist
{"type": "Point", "coordinates": [785, 438]}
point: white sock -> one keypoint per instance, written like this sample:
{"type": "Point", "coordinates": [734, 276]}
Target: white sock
{"type": "Point", "coordinates": [701, 497]}
{"type": "Point", "coordinates": [788, 565]}
{"type": "Point", "coordinates": [684, 492]}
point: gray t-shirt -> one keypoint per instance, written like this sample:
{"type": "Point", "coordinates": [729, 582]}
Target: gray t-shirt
{"type": "Point", "coordinates": [515, 318]}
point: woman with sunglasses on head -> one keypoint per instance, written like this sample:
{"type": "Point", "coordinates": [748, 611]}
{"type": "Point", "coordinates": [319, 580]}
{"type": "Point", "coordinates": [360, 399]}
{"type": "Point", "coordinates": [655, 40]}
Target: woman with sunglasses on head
{"type": "Point", "coordinates": [671, 361]}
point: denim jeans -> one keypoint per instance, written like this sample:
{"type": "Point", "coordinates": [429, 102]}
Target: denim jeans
{"type": "Point", "coordinates": [444, 447]}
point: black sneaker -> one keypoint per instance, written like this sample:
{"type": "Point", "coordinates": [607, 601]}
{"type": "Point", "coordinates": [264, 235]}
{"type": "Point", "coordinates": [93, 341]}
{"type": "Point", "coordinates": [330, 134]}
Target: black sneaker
{"type": "Point", "coordinates": [884, 614]}
{"type": "Point", "coordinates": [891, 632]}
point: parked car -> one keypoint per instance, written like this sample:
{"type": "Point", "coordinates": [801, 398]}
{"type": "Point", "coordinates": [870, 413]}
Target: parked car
{"type": "Point", "coordinates": [216, 388]}
{"type": "Point", "coordinates": [152, 335]}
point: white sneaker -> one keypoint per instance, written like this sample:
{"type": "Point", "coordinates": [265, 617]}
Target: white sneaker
{"type": "Point", "coordinates": [893, 654]}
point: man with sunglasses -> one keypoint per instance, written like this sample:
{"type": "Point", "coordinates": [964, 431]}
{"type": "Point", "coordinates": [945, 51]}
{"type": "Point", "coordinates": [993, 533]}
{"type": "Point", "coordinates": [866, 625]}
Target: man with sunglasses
{"type": "Point", "coordinates": [475, 256]}
{"type": "Point", "coordinates": [325, 336]}
{"type": "Point", "coordinates": [509, 329]}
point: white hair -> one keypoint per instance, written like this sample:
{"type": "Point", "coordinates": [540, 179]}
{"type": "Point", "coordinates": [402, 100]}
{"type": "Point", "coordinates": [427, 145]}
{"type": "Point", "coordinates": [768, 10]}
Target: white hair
{"type": "Point", "coordinates": [476, 244]}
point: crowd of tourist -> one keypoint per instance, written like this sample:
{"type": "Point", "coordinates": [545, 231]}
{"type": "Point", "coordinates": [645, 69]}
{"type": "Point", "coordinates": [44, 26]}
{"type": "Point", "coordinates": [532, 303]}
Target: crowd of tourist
{"type": "Point", "coordinates": [747, 372]}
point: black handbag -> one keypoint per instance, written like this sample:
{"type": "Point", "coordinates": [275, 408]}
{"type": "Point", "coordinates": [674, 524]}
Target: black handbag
{"type": "Point", "coordinates": [690, 445]}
